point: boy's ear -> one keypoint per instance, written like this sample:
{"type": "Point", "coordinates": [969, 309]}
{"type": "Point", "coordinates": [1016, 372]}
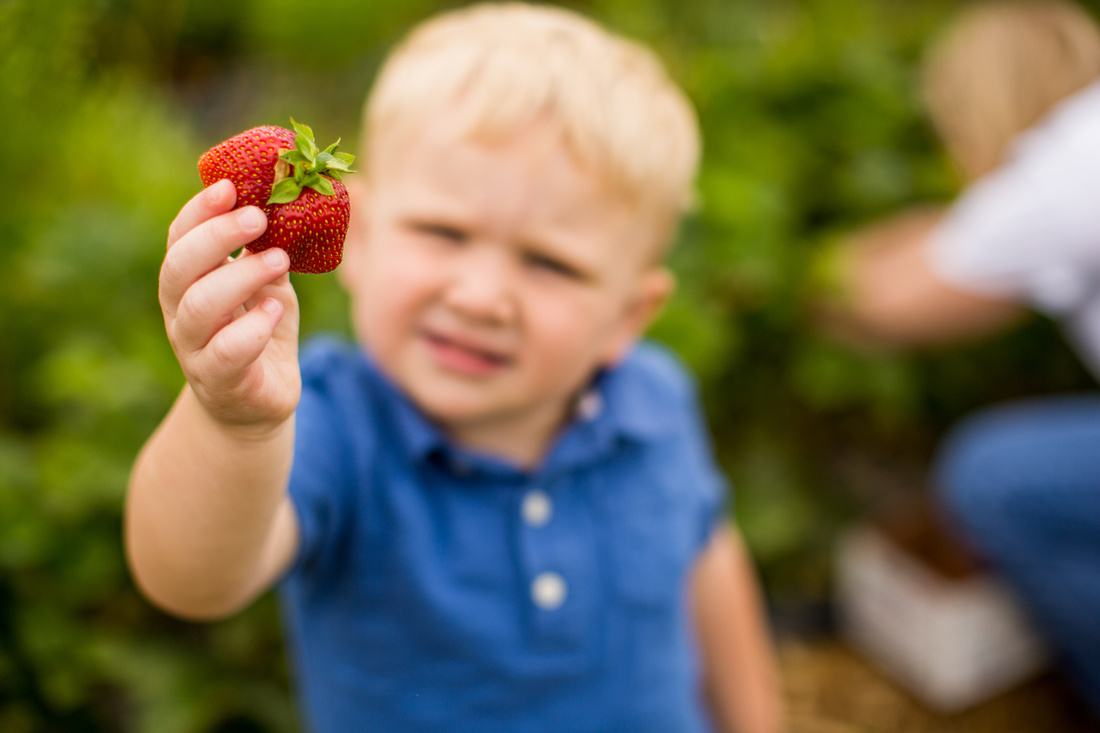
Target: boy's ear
{"type": "Point", "coordinates": [354, 242]}
{"type": "Point", "coordinates": [655, 286]}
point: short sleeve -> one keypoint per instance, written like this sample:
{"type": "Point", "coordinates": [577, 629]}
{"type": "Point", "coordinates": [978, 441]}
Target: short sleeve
{"type": "Point", "coordinates": [322, 477]}
{"type": "Point", "coordinates": [709, 489]}
{"type": "Point", "coordinates": [714, 493]}
{"type": "Point", "coordinates": [1030, 231]}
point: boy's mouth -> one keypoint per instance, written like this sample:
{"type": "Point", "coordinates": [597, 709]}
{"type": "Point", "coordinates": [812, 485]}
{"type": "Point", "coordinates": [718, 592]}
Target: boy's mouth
{"type": "Point", "coordinates": [463, 356]}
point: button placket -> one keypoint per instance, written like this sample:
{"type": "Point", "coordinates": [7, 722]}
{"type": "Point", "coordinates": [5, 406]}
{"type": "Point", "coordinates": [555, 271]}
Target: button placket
{"type": "Point", "coordinates": [548, 588]}
{"type": "Point", "coordinates": [555, 543]}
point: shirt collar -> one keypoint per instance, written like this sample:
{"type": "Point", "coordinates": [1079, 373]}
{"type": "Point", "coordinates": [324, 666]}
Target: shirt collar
{"type": "Point", "coordinates": [631, 405]}
{"type": "Point", "coordinates": [617, 404]}
{"type": "Point", "coordinates": [415, 432]}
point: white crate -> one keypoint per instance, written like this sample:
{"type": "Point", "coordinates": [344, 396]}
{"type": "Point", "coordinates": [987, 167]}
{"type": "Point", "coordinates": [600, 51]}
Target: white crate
{"type": "Point", "coordinates": [951, 642]}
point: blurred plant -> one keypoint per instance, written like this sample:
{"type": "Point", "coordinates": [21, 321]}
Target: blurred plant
{"type": "Point", "coordinates": [97, 163]}
{"type": "Point", "coordinates": [811, 126]}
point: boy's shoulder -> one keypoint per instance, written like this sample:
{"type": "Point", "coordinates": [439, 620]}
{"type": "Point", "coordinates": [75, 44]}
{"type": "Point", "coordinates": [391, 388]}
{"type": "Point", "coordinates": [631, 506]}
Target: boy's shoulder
{"type": "Point", "coordinates": [325, 352]}
{"type": "Point", "coordinates": [651, 392]}
{"type": "Point", "coordinates": [338, 378]}
{"type": "Point", "coordinates": [335, 365]}
{"type": "Point", "coordinates": [653, 368]}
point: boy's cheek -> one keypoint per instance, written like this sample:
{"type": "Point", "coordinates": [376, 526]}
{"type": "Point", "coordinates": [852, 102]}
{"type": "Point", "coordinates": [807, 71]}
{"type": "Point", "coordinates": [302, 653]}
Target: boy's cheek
{"type": "Point", "coordinates": [350, 271]}
{"type": "Point", "coordinates": [356, 237]}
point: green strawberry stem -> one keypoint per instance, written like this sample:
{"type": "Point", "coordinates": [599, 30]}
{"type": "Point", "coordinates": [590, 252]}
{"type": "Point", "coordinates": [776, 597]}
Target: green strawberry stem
{"type": "Point", "coordinates": [311, 167]}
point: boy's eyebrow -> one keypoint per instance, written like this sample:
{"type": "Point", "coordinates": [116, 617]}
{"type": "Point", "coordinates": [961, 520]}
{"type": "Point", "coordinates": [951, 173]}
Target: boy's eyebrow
{"type": "Point", "coordinates": [427, 204]}
{"type": "Point", "coordinates": [420, 216]}
{"type": "Point", "coordinates": [424, 213]}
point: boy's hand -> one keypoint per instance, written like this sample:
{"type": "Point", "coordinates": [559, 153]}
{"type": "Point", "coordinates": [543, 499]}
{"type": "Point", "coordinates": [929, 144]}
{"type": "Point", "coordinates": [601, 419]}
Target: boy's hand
{"type": "Point", "coordinates": [233, 323]}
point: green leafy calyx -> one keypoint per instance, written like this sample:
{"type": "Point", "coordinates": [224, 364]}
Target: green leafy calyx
{"type": "Point", "coordinates": [306, 166]}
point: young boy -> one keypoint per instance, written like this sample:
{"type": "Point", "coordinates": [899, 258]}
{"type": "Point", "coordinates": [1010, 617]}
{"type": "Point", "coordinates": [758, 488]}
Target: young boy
{"type": "Point", "coordinates": [497, 512]}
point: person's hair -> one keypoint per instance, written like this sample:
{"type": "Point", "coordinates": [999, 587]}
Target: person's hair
{"type": "Point", "coordinates": [618, 111]}
{"type": "Point", "coordinates": [999, 68]}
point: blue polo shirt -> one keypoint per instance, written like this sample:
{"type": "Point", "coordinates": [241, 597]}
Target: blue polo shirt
{"type": "Point", "coordinates": [441, 590]}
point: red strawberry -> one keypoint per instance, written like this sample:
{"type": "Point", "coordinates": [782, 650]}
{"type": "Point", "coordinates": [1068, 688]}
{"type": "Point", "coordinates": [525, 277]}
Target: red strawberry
{"type": "Point", "coordinates": [296, 184]}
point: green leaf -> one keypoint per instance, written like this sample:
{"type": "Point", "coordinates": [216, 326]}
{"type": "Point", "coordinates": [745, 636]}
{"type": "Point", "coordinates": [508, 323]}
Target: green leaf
{"type": "Point", "coordinates": [304, 141]}
{"type": "Point", "coordinates": [302, 129]}
{"type": "Point", "coordinates": [347, 158]}
{"type": "Point", "coordinates": [335, 164]}
{"type": "Point", "coordinates": [332, 148]}
{"type": "Point", "coordinates": [322, 185]}
{"type": "Point", "coordinates": [285, 191]}
{"type": "Point", "coordinates": [306, 147]}
{"type": "Point", "coordinates": [295, 157]}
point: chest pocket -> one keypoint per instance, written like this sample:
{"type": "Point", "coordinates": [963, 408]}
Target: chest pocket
{"type": "Point", "coordinates": [651, 520]}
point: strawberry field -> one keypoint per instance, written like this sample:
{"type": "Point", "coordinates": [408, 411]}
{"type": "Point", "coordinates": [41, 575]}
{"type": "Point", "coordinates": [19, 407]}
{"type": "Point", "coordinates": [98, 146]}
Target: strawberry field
{"type": "Point", "coordinates": [812, 125]}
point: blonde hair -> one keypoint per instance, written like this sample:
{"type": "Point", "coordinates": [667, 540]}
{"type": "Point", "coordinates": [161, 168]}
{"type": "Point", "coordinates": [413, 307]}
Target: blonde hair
{"type": "Point", "coordinates": [618, 111]}
{"type": "Point", "coordinates": [999, 68]}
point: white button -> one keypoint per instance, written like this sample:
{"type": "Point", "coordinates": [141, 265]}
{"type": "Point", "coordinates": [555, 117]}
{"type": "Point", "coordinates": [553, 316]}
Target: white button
{"type": "Point", "coordinates": [548, 591]}
{"type": "Point", "coordinates": [536, 508]}
{"type": "Point", "coordinates": [589, 406]}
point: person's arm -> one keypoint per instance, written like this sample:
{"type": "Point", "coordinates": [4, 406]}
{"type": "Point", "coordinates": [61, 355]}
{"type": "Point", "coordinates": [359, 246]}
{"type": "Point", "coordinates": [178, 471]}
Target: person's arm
{"type": "Point", "coordinates": [208, 525]}
{"type": "Point", "coordinates": [884, 292]}
{"type": "Point", "coordinates": [740, 672]}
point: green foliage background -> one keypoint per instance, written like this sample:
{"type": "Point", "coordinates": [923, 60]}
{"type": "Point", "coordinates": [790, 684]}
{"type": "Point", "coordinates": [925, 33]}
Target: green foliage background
{"type": "Point", "coordinates": [812, 125]}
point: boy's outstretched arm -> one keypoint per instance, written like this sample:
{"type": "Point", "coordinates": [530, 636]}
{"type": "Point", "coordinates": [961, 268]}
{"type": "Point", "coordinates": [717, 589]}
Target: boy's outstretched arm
{"type": "Point", "coordinates": [207, 524]}
{"type": "Point", "coordinates": [739, 668]}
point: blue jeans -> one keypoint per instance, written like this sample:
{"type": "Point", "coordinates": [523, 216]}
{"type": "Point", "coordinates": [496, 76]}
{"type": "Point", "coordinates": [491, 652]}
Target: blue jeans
{"type": "Point", "coordinates": [1022, 483]}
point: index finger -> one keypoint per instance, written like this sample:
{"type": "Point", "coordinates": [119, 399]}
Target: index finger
{"type": "Point", "coordinates": [215, 199]}
{"type": "Point", "coordinates": [204, 249]}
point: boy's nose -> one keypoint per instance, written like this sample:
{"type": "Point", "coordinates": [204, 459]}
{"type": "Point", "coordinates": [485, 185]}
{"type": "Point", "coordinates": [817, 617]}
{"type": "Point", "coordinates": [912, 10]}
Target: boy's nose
{"type": "Point", "coordinates": [480, 288]}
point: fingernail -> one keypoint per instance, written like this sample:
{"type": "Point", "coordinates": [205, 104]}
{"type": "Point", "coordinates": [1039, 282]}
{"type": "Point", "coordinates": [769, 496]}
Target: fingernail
{"type": "Point", "coordinates": [252, 219]}
{"type": "Point", "coordinates": [274, 257]}
{"type": "Point", "coordinates": [270, 305]}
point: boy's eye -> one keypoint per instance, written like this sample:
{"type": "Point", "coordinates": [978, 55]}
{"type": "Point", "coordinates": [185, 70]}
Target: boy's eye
{"type": "Point", "coordinates": [441, 231]}
{"type": "Point", "coordinates": [550, 264]}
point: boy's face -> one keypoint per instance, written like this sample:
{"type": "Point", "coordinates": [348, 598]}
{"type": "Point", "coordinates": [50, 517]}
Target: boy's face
{"type": "Point", "coordinates": [491, 280]}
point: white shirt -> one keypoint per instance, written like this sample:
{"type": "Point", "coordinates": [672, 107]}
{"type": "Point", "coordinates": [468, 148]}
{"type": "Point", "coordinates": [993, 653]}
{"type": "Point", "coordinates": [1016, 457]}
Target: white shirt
{"type": "Point", "coordinates": [1030, 231]}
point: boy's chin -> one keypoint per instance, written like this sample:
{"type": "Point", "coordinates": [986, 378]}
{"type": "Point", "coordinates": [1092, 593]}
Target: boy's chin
{"type": "Point", "coordinates": [447, 410]}
{"type": "Point", "coordinates": [457, 414]}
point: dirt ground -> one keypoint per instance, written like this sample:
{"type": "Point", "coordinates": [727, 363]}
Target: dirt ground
{"type": "Point", "coordinates": [831, 689]}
